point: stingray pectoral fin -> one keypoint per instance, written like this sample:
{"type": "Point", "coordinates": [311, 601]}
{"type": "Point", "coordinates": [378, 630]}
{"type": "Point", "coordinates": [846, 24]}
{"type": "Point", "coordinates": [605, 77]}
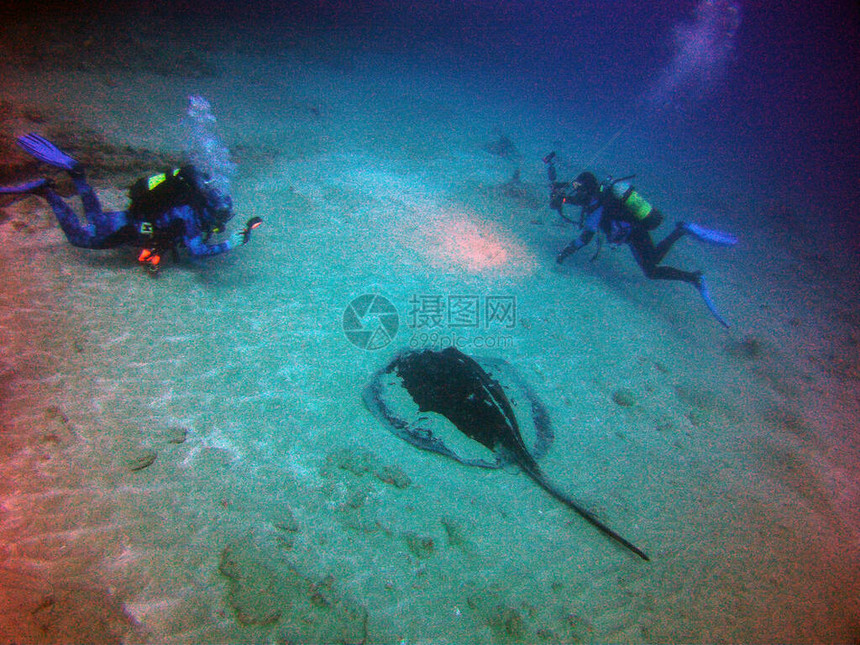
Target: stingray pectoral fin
{"type": "Point", "coordinates": [414, 433]}
{"type": "Point", "coordinates": [586, 515]}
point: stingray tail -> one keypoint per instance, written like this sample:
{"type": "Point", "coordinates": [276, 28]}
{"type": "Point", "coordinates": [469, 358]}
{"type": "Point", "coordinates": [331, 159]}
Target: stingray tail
{"type": "Point", "coordinates": [586, 515]}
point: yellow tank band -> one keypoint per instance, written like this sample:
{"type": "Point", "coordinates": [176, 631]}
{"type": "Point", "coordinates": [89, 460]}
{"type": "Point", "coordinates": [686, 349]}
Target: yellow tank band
{"type": "Point", "coordinates": [155, 180]}
{"type": "Point", "coordinates": [638, 207]}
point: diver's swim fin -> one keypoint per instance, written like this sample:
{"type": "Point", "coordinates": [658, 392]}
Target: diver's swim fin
{"type": "Point", "coordinates": [706, 296]}
{"type": "Point", "coordinates": [23, 189]}
{"type": "Point", "coordinates": [708, 235]}
{"type": "Point", "coordinates": [47, 152]}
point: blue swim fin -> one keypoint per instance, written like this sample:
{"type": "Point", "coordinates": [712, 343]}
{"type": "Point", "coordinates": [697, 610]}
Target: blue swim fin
{"type": "Point", "coordinates": [22, 189]}
{"type": "Point", "coordinates": [47, 152]}
{"type": "Point", "coordinates": [706, 296]}
{"type": "Point", "coordinates": [710, 236]}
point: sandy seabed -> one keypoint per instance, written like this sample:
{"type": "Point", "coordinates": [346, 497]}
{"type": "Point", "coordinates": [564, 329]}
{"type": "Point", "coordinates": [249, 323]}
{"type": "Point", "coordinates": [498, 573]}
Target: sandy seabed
{"type": "Point", "coordinates": [188, 458]}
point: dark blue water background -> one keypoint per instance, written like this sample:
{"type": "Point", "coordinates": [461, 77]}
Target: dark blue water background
{"type": "Point", "coordinates": [787, 109]}
{"type": "Point", "coordinates": [784, 114]}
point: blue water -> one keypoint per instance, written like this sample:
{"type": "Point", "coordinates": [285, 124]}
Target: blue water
{"type": "Point", "coordinates": [188, 458]}
{"type": "Point", "coordinates": [781, 113]}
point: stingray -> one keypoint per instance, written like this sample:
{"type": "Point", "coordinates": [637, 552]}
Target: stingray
{"type": "Point", "coordinates": [451, 384]}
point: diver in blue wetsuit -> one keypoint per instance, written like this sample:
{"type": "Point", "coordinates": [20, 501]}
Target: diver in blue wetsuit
{"type": "Point", "coordinates": [176, 209]}
{"type": "Point", "coordinates": [615, 210]}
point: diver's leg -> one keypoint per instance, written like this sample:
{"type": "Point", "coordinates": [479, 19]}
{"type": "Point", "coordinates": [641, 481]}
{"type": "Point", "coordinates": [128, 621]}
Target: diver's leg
{"type": "Point", "coordinates": [648, 256]}
{"type": "Point", "coordinates": [91, 203]}
{"type": "Point", "coordinates": [663, 247]}
{"type": "Point", "coordinates": [76, 233]}
{"type": "Point", "coordinates": [105, 225]}
{"type": "Point", "coordinates": [92, 206]}
{"type": "Point", "coordinates": [644, 251]}
{"type": "Point", "coordinates": [99, 233]}
{"type": "Point", "coordinates": [671, 273]}
{"type": "Point", "coordinates": [22, 190]}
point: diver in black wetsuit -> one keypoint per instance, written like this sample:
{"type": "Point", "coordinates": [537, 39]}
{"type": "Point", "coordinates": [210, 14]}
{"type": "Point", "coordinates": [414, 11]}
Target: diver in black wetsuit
{"type": "Point", "coordinates": [617, 211]}
{"type": "Point", "coordinates": [603, 211]}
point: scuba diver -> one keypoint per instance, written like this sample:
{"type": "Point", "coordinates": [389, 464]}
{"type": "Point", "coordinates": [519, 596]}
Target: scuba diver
{"type": "Point", "coordinates": [617, 212]}
{"type": "Point", "coordinates": [177, 208]}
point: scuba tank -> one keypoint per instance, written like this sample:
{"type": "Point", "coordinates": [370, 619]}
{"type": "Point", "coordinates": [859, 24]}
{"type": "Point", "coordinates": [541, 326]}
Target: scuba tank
{"type": "Point", "coordinates": [636, 206]}
{"type": "Point", "coordinates": [150, 196]}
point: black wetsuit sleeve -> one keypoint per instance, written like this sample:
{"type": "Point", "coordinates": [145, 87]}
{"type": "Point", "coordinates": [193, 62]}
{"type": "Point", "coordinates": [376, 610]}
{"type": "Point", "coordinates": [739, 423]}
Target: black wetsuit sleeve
{"type": "Point", "coordinates": [575, 245]}
{"type": "Point", "coordinates": [589, 228]}
{"type": "Point", "coordinates": [192, 236]}
{"type": "Point", "coordinates": [198, 248]}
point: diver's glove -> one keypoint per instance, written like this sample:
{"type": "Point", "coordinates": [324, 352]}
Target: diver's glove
{"type": "Point", "coordinates": [241, 237]}
{"type": "Point", "coordinates": [238, 239]}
